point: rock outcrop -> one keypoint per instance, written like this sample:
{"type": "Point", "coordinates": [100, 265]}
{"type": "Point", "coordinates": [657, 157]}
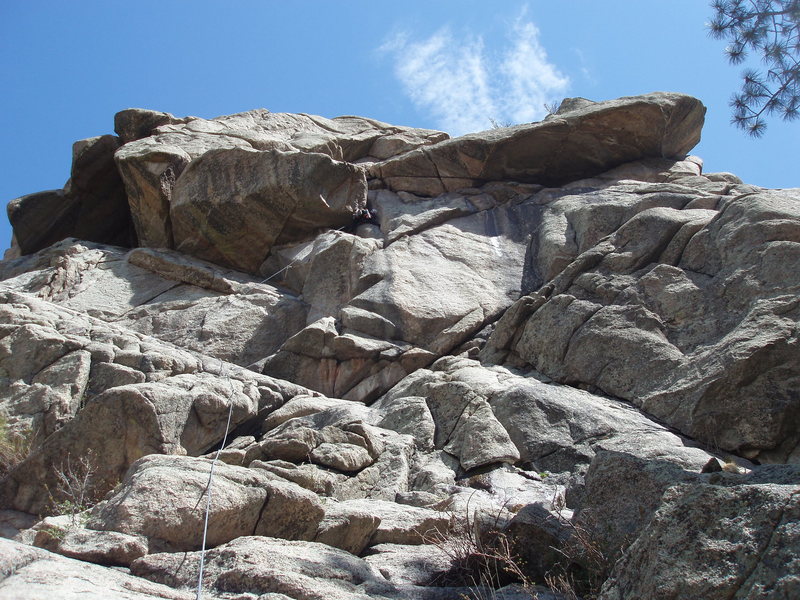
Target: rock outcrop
{"type": "Point", "coordinates": [92, 206]}
{"type": "Point", "coordinates": [581, 139]}
{"type": "Point", "coordinates": [397, 365]}
{"type": "Point", "coordinates": [632, 298]}
{"type": "Point", "coordinates": [756, 558]}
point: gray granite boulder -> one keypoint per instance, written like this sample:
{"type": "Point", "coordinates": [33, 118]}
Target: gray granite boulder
{"type": "Point", "coordinates": [573, 143]}
{"type": "Point", "coordinates": [709, 541]}
{"type": "Point", "coordinates": [164, 498]}
{"type": "Point", "coordinates": [28, 573]}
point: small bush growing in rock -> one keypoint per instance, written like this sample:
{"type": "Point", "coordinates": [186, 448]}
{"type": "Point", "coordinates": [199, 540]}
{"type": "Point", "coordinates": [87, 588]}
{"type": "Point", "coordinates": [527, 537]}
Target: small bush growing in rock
{"type": "Point", "coordinates": [585, 566]}
{"type": "Point", "coordinates": [482, 556]}
{"type": "Point", "coordinates": [77, 488]}
{"type": "Point", "coordinates": [55, 532]}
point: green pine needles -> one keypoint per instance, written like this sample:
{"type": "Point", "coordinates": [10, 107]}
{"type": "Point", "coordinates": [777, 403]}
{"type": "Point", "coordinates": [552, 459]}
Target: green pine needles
{"type": "Point", "coordinates": [769, 29]}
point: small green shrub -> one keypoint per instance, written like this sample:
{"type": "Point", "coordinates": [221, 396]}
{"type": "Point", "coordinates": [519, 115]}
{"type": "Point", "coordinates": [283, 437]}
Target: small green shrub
{"type": "Point", "coordinates": [55, 532]}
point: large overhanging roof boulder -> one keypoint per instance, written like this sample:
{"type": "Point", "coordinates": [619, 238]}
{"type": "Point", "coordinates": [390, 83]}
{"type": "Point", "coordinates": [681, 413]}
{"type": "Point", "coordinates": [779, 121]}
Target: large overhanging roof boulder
{"type": "Point", "coordinates": [302, 176]}
{"type": "Point", "coordinates": [581, 139]}
{"type": "Point", "coordinates": [232, 206]}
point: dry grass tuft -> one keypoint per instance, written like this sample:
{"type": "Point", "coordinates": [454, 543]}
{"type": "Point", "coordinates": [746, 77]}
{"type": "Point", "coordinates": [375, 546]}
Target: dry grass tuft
{"type": "Point", "coordinates": [482, 556]}
{"type": "Point", "coordinates": [15, 447]}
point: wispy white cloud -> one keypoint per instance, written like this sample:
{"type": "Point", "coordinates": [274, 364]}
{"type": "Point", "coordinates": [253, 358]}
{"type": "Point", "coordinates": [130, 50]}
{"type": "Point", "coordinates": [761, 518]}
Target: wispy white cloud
{"type": "Point", "coordinates": [464, 87]}
{"type": "Point", "coordinates": [448, 79]}
{"type": "Point", "coordinates": [585, 71]}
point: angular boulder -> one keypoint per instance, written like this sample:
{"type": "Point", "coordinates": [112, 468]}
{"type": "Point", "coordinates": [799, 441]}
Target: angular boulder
{"type": "Point", "coordinates": [164, 499]}
{"type": "Point", "coordinates": [136, 123]}
{"type": "Point", "coordinates": [261, 565]}
{"type": "Point", "coordinates": [621, 494]}
{"type": "Point", "coordinates": [41, 219]}
{"type": "Point", "coordinates": [99, 547]}
{"type": "Point", "coordinates": [92, 206]}
{"type": "Point", "coordinates": [28, 573]}
{"type": "Point", "coordinates": [715, 542]}
{"type": "Point", "coordinates": [578, 141]}
{"type": "Point", "coordinates": [231, 206]}
{"type": "Point", "coordinates": [151, 166]}
{"type": "Point", "coordinates": [397, 523]}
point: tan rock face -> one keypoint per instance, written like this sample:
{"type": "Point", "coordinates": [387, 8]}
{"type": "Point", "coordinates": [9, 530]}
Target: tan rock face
{"type": "Point", "coordinates": [478, 357]}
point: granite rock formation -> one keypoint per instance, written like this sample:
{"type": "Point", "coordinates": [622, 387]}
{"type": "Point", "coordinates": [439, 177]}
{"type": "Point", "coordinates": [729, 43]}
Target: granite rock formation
{"type": "Point", "coordinates": [545, 360]}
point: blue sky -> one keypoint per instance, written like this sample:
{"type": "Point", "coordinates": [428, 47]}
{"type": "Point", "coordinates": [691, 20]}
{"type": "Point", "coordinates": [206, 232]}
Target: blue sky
{"type": "Point", "coordinates": [67, 67]}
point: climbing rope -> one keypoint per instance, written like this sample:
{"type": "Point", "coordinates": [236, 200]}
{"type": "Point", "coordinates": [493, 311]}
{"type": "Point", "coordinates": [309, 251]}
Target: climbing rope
{"type": "Point", "coordinates": [210, 481]}
{"type": "Point", "coordinates": [216, 456]}
{"type": "Point", "coordinates": [279, 272]}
